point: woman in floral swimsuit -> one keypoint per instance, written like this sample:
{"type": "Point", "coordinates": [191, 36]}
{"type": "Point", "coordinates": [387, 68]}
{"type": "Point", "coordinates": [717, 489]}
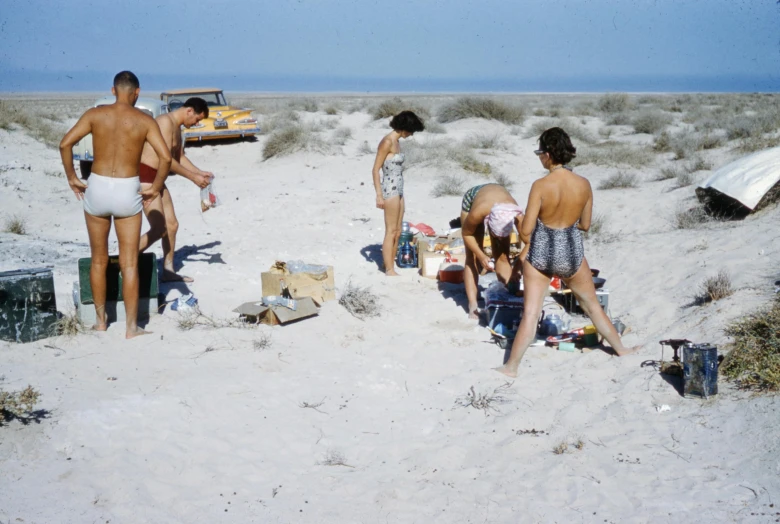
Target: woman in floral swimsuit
{"type": "Point", "coordinates": [389, 185]}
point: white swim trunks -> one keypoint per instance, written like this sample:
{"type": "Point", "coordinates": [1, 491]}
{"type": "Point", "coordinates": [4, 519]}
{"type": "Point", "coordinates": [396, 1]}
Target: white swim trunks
{"type": "Point", "coordinates": [112, 197]}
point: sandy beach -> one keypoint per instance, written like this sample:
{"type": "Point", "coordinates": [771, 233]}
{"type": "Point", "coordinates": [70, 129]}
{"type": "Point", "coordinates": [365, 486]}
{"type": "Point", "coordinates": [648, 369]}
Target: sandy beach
{"type": "Point", "coordinates": [209, 425]}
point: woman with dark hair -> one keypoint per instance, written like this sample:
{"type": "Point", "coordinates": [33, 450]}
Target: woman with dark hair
{"type": "Point", "coordinates": [390, 186]}
{"type": "Point", "coordinates": [559, 209]}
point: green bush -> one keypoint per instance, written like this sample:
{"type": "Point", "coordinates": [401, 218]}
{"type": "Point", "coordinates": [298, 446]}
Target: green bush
{"type": "Point", "coordinates": [478, 107]}
{"type": "Point", "coordinates": [753, 360]}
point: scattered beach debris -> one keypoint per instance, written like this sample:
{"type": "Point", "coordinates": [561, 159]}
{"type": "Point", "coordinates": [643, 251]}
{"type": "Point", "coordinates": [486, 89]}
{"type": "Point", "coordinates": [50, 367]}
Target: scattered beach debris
{"type": "Point", "coordinates": [360, 301]}
{"type": "Point", "coordinates": [487, 401]}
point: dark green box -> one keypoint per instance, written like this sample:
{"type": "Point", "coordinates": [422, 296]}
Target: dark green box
{"type": "Point", "coordinates": [28, 307]}
{"type": "Point", "coordinates": [147, 279]}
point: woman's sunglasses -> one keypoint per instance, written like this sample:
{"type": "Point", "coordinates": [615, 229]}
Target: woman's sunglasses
{"type": "Point", "coordinates": [539, 152]}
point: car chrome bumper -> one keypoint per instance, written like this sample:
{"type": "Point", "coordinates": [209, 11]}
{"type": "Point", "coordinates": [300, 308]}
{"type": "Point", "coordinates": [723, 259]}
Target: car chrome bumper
{"type": "Point", "coordinates": [222, 133]}
{"type": "Point", "coordinates": [85, 156]}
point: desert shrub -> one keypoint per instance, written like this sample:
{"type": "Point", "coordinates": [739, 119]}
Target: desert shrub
{"type": "Point", "coordinates": [605, 132]}
{"type": "Point", "coordinates": [280, 120]}
{"type": "Point", "coordinates": [668, 173]}
{"type": "Point", "coordinates": [717, 287]}
{"type": "Point", "coordinates": [18, 404]}
{"type": "Point", "coordinates": [449, 185]}
{"type": "Point", "coordinates": [341, 135]}
{"type": "Point", "coordinates": [432, 126]}
{"type": "Point", "coordinates": [576, 131]}
{"type": "Point", "coordinates": [619, 181]}
{"type": "Point", "coordinates": [619, 119]}
{"type": "Point", "coordinates": [360, 301]}
{"type": "Point", "coordinates": [753, 360]}
{"type": "Point", "coordinates": [291, 139]}
{"type": "Point", "coordinates": [470, 163]}
{"type": "Point", "coordinates": [393, 106]}
{"type": "Point", "coordinates": [478, 107]}
{"type": "Point", "coordinates": [597, 224]}
{"type": "Point", "coordinates": [662, 142]}
{"type": "Point", "coordinates": [262, 342]}
{"type": "Point", "coordinates": [614, 103]}
{"type": "Point", "coordinates": [613, 154]}
{"type": "Point", "coordinates": [68, 325]}
{"type": "Point", "coordinates": [699, 164]}
{"type": "Point", "coordinates": [684, 178]}
{"type": "Point", "coordinates": [485, 141]}
{"type": "Point", "coordinates": [709, 141]}
{"type": "Point", "coordinates": [365, 148]}
{"type": "Point", "coordinates": [757, 143]}
{"type": "Point", "coordinates": [503, 180]}
{"type": "Point", "coordinates": [650, 122]}
{"type": "Point", "coordinates": [39, 124]}
{"type": "Point", "coordinates": [15, 225]}
{"type": "Point", "coordinates": [585, 108]}
{"type": "Point", "coordinates": [308, 105]}
{"type": "Point", "coordinates": [690, 218]}
{"type": "Point", "coordinates": [331, 109]}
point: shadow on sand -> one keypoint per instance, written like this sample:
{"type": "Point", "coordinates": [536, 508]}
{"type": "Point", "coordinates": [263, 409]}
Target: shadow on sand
{"type": "Point", "coordinates": [373, 253]}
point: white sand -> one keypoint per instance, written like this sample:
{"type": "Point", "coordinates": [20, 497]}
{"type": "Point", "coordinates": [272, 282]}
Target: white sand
{"type": "Point", "coordinates": [185, 435]}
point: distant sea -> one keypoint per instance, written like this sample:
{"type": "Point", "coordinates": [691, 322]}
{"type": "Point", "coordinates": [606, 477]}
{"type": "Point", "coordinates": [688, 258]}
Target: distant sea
{"type": "Point", "coordinates": [90, 81]}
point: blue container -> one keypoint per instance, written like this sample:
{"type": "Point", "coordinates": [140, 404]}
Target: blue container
{"type": "Point", "coordinates": [700, 370]}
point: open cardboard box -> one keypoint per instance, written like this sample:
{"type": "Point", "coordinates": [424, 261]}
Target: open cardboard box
{"type": "Point", "coordinates": [320, 288]}
{"type": "Point", "coordinates": [257, 312]}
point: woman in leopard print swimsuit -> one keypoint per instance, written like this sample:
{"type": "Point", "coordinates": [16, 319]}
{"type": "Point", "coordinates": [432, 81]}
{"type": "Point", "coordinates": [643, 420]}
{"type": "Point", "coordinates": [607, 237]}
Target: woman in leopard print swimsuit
{"type": "Point", "coordinates": [390, 185]}
{"type": "Point", "coordinates": [559, 209]}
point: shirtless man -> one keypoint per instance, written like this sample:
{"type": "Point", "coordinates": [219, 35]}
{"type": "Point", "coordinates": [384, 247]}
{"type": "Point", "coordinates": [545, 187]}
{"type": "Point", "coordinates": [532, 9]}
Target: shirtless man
{"type": "Point", "coordinates": [119, 132]}
{"type": "Point", "coordinates": [160, 212]}
{"type": "Point", "coordinates": [494, 204]}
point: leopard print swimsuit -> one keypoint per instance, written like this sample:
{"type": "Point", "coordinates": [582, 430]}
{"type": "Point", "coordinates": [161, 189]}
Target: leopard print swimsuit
{"type": "Point", "coordinates": [556, 252]}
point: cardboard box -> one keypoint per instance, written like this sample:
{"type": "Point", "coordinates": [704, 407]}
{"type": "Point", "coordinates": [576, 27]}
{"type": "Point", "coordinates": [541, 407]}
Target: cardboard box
{"type": "Point", "coordinates": [430, 262]}
{"type": "Point", "coordinates": [275, 315]}
{"type": "Point", "coordinates": [320, 288]}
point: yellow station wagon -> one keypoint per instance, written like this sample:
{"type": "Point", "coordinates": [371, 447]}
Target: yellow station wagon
{"type": "Point", "coordinates": [224, 121]}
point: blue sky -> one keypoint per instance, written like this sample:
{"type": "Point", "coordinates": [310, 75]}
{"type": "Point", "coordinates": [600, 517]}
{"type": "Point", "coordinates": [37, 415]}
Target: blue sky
{"type": "Point", "coordinates": [402, 45]}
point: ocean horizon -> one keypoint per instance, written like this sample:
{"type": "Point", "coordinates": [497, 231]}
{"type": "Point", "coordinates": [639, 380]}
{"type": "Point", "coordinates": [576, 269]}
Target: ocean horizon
{"type": "Point", "coordinates": [15, 81]}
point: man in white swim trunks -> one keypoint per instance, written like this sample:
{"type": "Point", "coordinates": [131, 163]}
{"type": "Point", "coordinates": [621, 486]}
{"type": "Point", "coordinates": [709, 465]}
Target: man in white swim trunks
{"type": "Point", "coordinates": [119, 132]}
{"type": "Point", "coordinates": [160, 212]}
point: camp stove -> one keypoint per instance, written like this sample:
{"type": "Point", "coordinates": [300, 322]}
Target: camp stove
{"type": "Point", "coordinates": [674, 367]}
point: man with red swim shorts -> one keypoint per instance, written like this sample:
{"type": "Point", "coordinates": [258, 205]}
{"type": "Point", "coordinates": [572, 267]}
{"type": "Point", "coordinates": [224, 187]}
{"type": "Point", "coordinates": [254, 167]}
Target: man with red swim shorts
{"type": "Point", "coordinates": [160, 212]}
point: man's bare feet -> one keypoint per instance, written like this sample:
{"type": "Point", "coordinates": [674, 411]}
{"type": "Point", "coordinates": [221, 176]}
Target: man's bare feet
{"type": "Point", "coordinates": [627, 351]}
{"type": "Point", "coordinates": [171, 276]}
{"type": "Point", "coordinates": [137, 332]}
{"type": "Point", "coordinates": [100, 327]}
{"type": "Point", "coordinates": [391, 274]}
{"type": "Point", "coordinates": [507, 371]}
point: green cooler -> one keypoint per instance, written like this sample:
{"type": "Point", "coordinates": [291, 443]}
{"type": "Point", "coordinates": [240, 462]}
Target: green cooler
{"type": "Point", "coordinates": [28, 307]}
{"type": "Point", "coordinates": [148, 290]}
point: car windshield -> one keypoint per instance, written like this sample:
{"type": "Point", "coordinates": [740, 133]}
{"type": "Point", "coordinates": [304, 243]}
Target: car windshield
{"type": "Point", "coordinates": [212, 99]}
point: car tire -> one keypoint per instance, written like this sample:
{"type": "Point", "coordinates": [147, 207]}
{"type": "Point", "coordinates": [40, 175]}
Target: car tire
{"type": "Point", "coordinates": [86, 168]}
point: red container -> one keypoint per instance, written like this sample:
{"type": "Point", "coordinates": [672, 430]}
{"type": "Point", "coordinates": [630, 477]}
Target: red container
{"type": "Point", "coordinates": [451, 276]}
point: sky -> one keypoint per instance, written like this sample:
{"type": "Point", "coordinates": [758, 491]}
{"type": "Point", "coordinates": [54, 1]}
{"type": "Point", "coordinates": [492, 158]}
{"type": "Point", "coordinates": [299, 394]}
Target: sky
{"type": "Point", "coordinates": [393, 46]}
